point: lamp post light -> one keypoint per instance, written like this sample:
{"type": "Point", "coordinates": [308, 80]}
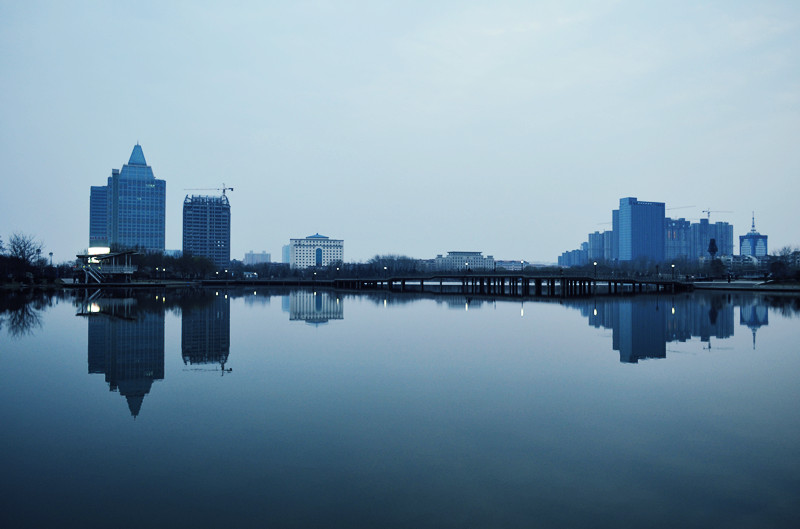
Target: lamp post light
{"type": "Point", "coordinates": [673, 271]}
{"type": "Point", "coordinates": [51, 259]}
{"type": "Point", "coordinates": [595, 269]}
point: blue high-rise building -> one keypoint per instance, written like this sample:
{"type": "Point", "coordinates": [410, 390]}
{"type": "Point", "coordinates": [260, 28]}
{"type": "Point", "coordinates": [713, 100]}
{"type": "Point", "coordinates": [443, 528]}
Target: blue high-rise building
{"type": "Point", "coordinates": [98, 216]}
{"type": "Point", "coordinates": [135, 208]}
{"type": "Point", "coordinates": [753, 244]}
{"type": "Point", "coordinates": [641, 230]}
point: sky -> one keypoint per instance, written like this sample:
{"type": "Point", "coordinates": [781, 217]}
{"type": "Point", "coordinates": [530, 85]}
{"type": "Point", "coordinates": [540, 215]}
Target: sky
{"type": "Point", "coordinates": [413, 128]}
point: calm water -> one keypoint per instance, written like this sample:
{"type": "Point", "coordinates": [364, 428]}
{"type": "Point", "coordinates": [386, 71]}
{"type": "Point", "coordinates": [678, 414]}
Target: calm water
{"type": "Point", "coordinates": [295, 409]}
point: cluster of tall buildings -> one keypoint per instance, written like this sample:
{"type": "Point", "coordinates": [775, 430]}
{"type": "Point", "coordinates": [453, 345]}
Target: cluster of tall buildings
{"type": "Point", "coordinates": [129, 212]}
{"type": "Point", "coordinates": [641, 232]}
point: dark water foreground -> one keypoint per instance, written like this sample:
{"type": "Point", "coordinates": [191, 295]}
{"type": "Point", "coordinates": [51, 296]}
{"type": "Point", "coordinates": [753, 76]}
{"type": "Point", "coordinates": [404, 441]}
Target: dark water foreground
{"type": "Point", "coordinates": [269, 408]}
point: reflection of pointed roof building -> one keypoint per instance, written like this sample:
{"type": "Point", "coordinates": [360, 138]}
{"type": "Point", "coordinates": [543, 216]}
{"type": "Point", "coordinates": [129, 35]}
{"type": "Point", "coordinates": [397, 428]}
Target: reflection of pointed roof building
{"type": "Point", "coordinates": [127, 346]}
{"type": "Point", "coordinates": [754, 316]}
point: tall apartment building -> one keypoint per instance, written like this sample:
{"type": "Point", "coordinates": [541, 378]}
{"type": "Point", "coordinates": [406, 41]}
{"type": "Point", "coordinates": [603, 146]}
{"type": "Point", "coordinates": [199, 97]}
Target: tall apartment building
{"type": "Point", "coordinates": [641, 230]}
{"type": "Point", "coordinates": [315, 250]}
{"type": "Point", "coordinates": [207, 228]}
{"type": "Point", "coordinates": [130, 211]}
{"type": "Point", "coordinates": [701, 234]}
{"type": "Point", "coordinates": [596, 246]}
{"type": "Point", "coordinates": [677, 239]}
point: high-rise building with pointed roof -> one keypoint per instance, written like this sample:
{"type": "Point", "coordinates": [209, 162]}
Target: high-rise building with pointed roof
{"type": "Point", "coordinates": [753, 244]}
{"type": "Point", "coordinates": [130, 211]}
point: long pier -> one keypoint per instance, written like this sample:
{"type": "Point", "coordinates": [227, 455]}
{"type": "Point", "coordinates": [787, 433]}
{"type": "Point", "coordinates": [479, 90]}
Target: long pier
{"type": "Point", "coordinates": [502, 284]}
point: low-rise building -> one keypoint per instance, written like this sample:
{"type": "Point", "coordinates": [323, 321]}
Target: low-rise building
{"type": "Point", "coordinates": [252, 258]}
{"type": "Point", "coordinates": [464, 261]}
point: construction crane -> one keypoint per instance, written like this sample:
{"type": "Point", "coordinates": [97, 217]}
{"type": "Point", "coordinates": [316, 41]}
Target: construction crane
{"type": "Point", "coordinates": [710, 211]}
{"type": "Point", "coordinates": [680, 207]}
{"type": "Point", "coordinates": [223, 188]}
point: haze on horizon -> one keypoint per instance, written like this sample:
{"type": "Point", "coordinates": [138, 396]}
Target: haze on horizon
{"type": "Point", "coordinates": [413, 128]}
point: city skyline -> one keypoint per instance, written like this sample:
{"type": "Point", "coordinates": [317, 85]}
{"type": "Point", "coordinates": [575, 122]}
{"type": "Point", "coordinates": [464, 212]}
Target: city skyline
{"type": "Point", "coordinates": [414, 129]}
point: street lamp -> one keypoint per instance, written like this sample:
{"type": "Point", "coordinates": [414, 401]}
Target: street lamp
{"type": "Point", "coordinates": [595, 269]}
{"type": "Point", "coordinates": [673, 271]}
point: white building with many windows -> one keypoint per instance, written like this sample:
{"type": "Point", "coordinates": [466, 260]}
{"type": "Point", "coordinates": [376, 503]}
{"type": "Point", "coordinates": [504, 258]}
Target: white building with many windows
{"type": "Point", "coordinates": [468, 261]}
{"type": "Point", "coordinates": [315, 250]}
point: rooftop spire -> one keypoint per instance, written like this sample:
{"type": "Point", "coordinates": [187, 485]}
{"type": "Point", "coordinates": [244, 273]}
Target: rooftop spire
{"type": "Point", "coordinates": [137, 156]}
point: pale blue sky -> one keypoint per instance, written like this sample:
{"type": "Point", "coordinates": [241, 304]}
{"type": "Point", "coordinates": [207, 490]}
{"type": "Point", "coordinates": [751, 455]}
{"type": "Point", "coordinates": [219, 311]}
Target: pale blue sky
{"type": "Point", "coordinates": [408, 127]}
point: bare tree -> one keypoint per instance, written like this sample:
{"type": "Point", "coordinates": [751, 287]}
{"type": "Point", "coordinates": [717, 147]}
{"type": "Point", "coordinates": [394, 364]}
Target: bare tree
{"type": "Point", "coordinates": [24, 247]}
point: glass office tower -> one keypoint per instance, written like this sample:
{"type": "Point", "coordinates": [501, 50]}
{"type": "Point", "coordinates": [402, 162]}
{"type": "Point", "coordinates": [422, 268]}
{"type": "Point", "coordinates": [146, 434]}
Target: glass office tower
{"type": "Point", "coordinates": [135, 208]}
{"type": "Point", "coordinates": [641, 230]}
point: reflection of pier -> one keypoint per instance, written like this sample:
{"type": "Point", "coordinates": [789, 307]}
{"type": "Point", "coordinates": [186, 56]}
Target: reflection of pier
{"type": "Point", "coordinates": [126, 344]}
{"type": "Point", "coordinates": [480, 283]}
{"type": "Point", "coordinates": [206, 331]}
{"type": "Point", "coordinates": [315, 307]}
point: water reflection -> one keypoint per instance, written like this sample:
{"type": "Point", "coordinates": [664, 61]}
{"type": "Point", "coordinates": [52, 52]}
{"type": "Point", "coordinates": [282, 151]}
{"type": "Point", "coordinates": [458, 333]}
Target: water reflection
{"type": "Point", "coordinates": [126, 344]}
{"type": "Point", "coordinates": [753, 315]}
{"type": "Point", "coordinates": [20, 310]}
{"type": "Point", "coordinates": [206, 329]}
{"type": "Point", "coordinates": [642, 326]}
{"type": "Point", "coordinates": [314, 308]}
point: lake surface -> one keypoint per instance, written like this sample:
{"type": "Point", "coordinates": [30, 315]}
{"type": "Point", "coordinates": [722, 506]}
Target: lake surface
{"type": "Point", "coordinates": [300, 409]}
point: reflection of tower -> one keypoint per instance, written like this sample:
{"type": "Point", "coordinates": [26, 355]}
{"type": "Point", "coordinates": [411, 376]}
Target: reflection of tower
{"type": "Point", "coordinates": [206, 332]}
{"type": "Point", "coordinates": [315, 308]}
{"type": "Point", "coordinates": [127, 345]}
{"type": "Point", "coordinates": [753, 316]}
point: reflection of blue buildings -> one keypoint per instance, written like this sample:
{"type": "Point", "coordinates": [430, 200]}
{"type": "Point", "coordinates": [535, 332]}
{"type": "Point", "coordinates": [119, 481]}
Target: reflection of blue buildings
{"type": "Point", "coordinates": [315, 308]}
{"type": "Point", "coordinates": [127, 346]}
{"type": "Point", "coordinates": [642, 326]}
{"type": "Point", "coordinates": [206, 331]}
